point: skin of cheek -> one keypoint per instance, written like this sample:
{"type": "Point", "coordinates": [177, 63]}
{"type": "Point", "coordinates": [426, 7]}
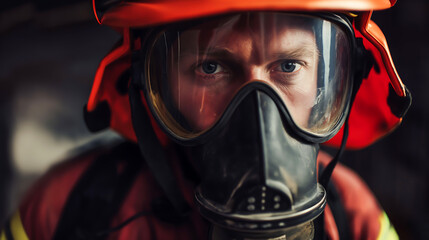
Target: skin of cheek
{"type": "Point", "coordinates": [196, 102]}
{"type": "Point", "coordinates": [301, 97]}
{"type": "Point", "coordinates": [199, 104]}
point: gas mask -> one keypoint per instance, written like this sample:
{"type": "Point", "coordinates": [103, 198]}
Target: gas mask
{"type": "Point", "coordinates": [251, 96]}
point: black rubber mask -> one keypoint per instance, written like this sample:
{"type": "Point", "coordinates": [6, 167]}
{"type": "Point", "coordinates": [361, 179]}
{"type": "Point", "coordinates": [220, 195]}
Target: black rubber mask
{"type": "Point", "coordinates": [259, 181]}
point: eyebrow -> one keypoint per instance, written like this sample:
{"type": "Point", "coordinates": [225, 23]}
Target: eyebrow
{"type": "Point", "coordinates": [219, 53]}
{"type": "Point", "coordinates": [307, 50]}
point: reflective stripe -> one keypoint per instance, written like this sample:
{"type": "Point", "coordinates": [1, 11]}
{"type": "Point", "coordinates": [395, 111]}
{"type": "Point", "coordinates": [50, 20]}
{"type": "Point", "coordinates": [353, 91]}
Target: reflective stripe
{"type": "Point", "coordinates": [7, 232]}
{"type": "Point", "coordinates": [16, 228]}
{"type": "Point", "coordinates": [387, 232]}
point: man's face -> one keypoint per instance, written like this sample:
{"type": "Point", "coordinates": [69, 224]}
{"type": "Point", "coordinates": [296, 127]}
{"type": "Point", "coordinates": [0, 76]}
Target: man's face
{"type": "Point", "coordinates": [210, 66]}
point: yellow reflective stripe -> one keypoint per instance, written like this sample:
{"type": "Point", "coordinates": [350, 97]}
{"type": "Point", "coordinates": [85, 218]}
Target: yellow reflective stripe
{"type": "Point", "coordinates": [387, 232]}
{"type": "Point", "coordinates": [2, 235]}
{"type": "Point", "coordinates": [16, 228]}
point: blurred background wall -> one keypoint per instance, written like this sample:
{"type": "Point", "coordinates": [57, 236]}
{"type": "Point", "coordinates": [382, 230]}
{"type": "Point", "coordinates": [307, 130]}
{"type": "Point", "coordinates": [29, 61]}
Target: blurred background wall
{"type": "Point", "coordinates": [49, 51]}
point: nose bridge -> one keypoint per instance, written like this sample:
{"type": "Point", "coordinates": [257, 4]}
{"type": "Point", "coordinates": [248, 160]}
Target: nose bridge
{"type": "Point", "coordinates": [255, 64]}
{"type": "Point", "coordinates": [256, 72]}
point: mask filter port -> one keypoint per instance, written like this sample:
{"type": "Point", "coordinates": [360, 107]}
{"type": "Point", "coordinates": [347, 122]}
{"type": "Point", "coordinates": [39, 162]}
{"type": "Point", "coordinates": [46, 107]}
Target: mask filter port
{"type": "Point", "coordinates": [260, 199]}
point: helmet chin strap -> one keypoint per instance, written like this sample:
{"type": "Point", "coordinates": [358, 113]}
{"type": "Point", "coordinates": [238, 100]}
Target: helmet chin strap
{"type": "Point", "coordinates": [326, 174]}
{"type": "Point", "coordinates": [365, 62]}
{"type": "Point", "coordinates": [151, 148]}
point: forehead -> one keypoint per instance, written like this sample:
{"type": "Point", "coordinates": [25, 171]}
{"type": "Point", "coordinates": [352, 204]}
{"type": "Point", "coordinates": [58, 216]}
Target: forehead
{"type": "Point", "coordinates": [271, 30]}
{"type": "Point", "coordinates": [257, 21]}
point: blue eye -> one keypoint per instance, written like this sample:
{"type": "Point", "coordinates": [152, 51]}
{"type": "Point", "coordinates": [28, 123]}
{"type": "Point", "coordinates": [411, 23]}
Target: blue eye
{"type": "Point", "coordinates": [288, 66]}
{"type": "Point", "coordinates": [209, 67]}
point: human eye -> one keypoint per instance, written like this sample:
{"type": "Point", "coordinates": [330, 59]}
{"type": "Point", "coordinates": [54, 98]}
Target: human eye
{"type": "Point", "coordinates": [211, 72]}
{"type": "Point", "coordinates": [209, 67]}
{"type": "Point", "coordinates": [287, 66]}
{"type": "Point", "coordinates": [287, 71]}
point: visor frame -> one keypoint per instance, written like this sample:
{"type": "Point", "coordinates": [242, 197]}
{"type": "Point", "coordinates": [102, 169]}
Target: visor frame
{"type": "Point", "coordinates": [148, 40]}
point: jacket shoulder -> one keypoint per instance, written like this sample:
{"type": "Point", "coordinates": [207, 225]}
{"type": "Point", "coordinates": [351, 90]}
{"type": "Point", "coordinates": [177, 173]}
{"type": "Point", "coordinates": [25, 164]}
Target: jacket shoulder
{"type": "Point", "coordinates": [40, 209]}
{"type": "Point", "coordinates": [366, 218]}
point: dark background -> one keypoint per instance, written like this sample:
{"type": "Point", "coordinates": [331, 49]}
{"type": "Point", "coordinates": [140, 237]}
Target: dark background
{"type": "Point", "coordinates": [49, 52]}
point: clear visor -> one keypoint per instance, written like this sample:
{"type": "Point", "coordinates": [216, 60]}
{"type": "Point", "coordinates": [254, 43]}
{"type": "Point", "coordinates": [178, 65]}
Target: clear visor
{"type": "Point", "coordinates": [194, 72]}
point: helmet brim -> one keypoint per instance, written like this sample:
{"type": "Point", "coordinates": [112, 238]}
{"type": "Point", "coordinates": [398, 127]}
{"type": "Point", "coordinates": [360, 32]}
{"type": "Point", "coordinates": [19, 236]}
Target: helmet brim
{"type": "Point", "coordinates": [143, 14]}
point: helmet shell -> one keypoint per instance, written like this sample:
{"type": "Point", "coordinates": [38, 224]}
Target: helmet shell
{"type": "Point", "coordinates": [156, 12]}
{"type": "Point", "coordinates": [372, 115]}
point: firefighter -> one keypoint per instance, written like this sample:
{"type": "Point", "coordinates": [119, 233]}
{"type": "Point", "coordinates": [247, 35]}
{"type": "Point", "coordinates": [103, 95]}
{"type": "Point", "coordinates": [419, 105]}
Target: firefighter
{"type": "Point", "coordinates": [223, 106]}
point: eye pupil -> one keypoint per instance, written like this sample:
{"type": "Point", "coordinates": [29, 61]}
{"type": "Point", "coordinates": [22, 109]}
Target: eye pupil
{"type": "Point", "coordinates": [288, 66]}
{"type": "Point", "coordinates": [209, 67]}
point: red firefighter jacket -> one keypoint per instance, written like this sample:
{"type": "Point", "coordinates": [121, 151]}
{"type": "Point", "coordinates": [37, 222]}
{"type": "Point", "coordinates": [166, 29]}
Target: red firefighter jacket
{"type": "Point", "coordinates": [40, 213]}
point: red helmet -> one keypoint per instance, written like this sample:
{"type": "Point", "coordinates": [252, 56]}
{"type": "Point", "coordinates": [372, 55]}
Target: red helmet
{"type": "Point", "coordinates": [380, 103]}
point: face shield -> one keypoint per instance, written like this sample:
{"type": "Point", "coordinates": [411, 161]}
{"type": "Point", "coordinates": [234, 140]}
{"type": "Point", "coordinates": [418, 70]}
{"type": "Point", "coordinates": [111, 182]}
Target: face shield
{"type": "Point", "coordinates": [195, 72]}
{"type": "Point", "coordinates": [253, 94]}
